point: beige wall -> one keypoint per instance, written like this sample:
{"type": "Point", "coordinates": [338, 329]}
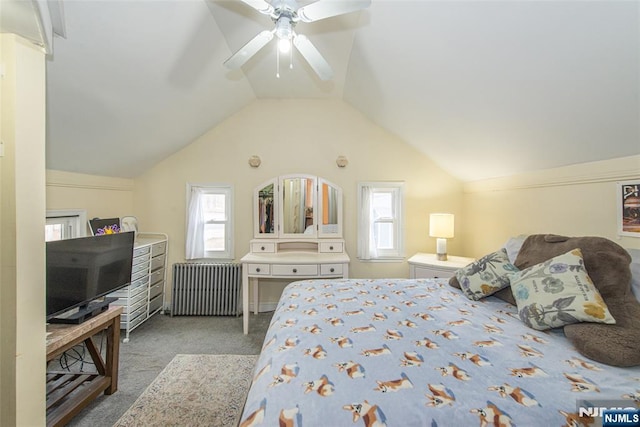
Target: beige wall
{"type": "Point", "coordinates": [100, 196]}
{"type": "Point", "coordinates": [298, 136]}
{"type": "Point", "coordinates": [22, 208]}
{"type": "Point", "coordinates": [575, 200]}
{"type": "Point", "coordinates": [306, 136]}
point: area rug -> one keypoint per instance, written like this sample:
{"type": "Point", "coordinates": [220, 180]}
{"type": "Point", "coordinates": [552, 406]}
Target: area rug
{"type": "Point", "coordinates": [194, 390]}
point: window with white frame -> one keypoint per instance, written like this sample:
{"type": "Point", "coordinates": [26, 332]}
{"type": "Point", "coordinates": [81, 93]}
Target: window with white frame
{"type": "Point", "coordinates": [209, 221]}
{"type": "Point", "coordinates": [65, 224]}
{"type": "Point", "coordinates": [380, 221]}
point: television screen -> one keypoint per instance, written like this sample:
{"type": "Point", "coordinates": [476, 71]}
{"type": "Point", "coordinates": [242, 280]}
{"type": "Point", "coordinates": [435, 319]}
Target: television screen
{"type": "Point", "coordinates": [84, 269]}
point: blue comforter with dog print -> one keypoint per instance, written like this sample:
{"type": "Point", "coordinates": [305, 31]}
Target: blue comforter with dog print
{"type": "Point", "coordinates": [404, 352]}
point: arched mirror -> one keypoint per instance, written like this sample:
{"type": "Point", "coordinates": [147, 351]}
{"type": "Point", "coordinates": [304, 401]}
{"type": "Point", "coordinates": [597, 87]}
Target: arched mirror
{"type": "Point", "coordinates": [297, 206]}
{"type": "Point", "coordinates": [298, 210]}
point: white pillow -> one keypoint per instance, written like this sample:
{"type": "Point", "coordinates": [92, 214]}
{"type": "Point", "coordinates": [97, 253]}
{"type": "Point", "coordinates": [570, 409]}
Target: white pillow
{"type": "Point", "coordinates": [513, 246]}
{"type": "Point", "coordinates": [635, 272]}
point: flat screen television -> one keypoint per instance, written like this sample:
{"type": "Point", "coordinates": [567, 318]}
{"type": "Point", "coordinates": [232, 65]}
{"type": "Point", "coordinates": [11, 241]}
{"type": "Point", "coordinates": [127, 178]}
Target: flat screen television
{"type": "Point", "coordinates": [81, 270]}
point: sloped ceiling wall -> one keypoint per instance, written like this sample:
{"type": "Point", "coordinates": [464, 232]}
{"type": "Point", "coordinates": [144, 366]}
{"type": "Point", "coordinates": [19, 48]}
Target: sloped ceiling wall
{"type": "Point", "coordinates": [486, 89]}
{"type": "Point", "coordinates": [494, 88]}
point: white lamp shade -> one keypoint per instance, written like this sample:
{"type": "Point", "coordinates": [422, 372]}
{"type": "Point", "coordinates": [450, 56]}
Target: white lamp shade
{"type": "Point", "coordinates": [441, 225]}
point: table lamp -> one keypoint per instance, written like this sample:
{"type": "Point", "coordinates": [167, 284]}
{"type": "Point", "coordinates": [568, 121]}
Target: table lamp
{"type": "Point", "coordinates": [441, 227]}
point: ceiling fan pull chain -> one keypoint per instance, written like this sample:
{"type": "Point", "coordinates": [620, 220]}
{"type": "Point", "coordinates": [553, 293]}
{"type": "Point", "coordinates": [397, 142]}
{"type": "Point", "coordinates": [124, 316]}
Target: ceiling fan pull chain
{"type": "Point", "coordinates": [291, 53]}
{"type": "Point", "coordinates": [277, 63]}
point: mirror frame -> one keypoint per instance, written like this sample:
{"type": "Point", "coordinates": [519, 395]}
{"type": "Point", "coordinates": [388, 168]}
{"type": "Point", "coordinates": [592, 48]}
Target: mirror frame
{"type": "Point", "coordinates": [338, 232]}
{"type": "Point", "coordinates": [278, 233]}
{"type": "Point", "coordinates": [256, 209]}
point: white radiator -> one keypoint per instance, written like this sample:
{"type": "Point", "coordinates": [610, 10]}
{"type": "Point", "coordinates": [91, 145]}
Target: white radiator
{"type": "Point", "coordinates": [206, 289]}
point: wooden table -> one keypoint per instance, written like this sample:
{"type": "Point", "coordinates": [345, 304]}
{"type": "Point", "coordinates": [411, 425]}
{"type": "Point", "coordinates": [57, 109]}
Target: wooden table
{"type": "Point", "coordinates": [69, 392]}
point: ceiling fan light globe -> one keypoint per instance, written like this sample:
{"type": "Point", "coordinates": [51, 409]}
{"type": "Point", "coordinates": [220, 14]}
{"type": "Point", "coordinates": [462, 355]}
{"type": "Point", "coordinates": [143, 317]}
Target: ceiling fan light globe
{"type": "Point", "coordinates": [284, 45]}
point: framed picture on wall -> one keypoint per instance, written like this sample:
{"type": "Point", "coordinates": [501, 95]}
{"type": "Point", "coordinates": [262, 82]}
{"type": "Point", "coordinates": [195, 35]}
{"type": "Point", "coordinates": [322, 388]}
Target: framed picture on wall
{"type": "Point", "coordinates": [628, 200]}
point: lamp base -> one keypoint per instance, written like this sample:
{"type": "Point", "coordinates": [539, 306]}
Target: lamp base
{"type": "Point", "coordinates": [441, 249]}
{"type": "Point", "coordinates": [441, 257]}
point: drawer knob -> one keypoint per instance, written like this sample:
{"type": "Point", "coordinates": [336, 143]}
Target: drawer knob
{"type": "Point", "coordinates": [258, 270]}
{"type": "Point", "coordinates": [295, 270]}
{"type": "Point", "coordinates": [332, 269]}
{"type": "Point", "coordinates": [262, 248]}
{"type": "Point", "coordinates": [330, 248]}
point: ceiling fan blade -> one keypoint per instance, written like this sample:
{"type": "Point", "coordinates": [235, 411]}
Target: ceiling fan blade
{"type": "Point", "coordinates": [328, 8]}
{"type": "Point", "coordinates": [260, 5]}
{"type": "Point", "coordinates": [313, 57]}
{"type": "Point", "coordinates": [238, 59]}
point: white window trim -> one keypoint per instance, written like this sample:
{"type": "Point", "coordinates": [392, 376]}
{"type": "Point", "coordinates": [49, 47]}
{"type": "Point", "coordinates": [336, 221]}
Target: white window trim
{"type": "Point", "coordinates": [76, 217]}
{"type": "Point", "coordinates": [364, 223]}
{"type": "Point", "coordinates": [213, 188]}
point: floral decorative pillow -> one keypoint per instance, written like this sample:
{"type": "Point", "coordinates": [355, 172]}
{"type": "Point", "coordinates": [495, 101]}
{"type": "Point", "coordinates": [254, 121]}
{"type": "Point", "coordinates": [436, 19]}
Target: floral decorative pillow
{"type": "Point", "coordinates": [558, 292]}
{"type": "Point", "coordinates": [486, 276]}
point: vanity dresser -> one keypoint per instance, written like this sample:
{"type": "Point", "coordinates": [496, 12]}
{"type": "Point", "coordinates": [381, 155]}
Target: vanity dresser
{"type": "Point", "coordinates": [297, 234]}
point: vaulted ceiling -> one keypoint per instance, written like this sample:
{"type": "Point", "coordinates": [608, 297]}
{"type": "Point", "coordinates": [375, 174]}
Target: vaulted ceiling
{"type": "Point", "coordinates": [484, 88]}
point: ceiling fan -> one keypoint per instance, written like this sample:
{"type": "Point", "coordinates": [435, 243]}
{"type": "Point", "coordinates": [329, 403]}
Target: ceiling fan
{"type": "Point", "coordinates": [286, 14]}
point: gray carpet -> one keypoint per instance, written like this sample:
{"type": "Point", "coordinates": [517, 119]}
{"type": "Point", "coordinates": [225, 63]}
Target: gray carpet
{"type": "Point", "coordinates": [155, 343]}
{"type": "Point", "coordinates": [194, 390]}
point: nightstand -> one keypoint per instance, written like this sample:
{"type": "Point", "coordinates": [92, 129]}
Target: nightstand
{"type": "Point", "coordinates": [427, 266]}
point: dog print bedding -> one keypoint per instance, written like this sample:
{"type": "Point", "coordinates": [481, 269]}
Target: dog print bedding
{"type": "Point", "coordinates": [383, 352]}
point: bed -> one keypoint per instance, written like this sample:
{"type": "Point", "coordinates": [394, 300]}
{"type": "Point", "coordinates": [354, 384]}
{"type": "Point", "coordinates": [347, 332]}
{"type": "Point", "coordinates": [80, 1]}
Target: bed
{"type": "Point", "coordinates": [418, 352]}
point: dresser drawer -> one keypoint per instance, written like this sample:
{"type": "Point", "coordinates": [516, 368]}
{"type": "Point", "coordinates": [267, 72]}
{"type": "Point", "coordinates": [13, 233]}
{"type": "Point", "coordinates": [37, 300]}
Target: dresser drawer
{"type": "Point", "coordinates": [158, 248]}
{"type": "Point", "coordinates": [261, 269]}
{"type": "Point", "coordinates": [143, 266]}
{"type": "Point", "coordinates": [134, 317]}
{"type": "Point", "coordinates": [142, 250]}
{"type": "Point", "coordinates": [328, 247]}
{"type": "Point", "coordinates": [295, 270]}
{"type": "Point", "coordinates": [141, 296]}
{"type": "Point", "coordinates": [266, 247]}
{"type": "Point", "coordinates": [141, 316]}
{"type": "Point", "coordinates": [433, 273]}
{"type": "Point", "coordinates": [156, 276]}
{"type": "Point", "coordinates": [155, 304]}
{"type": "Point", "coordinates": [140, 259]}
{"type": "Point", "coordinates": [139, 274]}
{"type": "Point", "coordinates": [129, 309]}
{"type": "Point", "coordinates": [331, 269]}
{"type": "Point", "coordinates": [139, 282]}
{"type": "Point", "coordinates": [157, 262]}
{"type": "Point", "coordinates": [156, 290]}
